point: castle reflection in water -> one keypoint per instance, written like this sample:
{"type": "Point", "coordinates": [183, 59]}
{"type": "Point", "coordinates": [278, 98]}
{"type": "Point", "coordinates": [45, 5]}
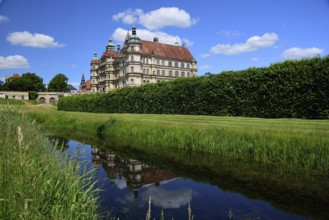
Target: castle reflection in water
{"type": "Point", "coordinates": [134, 173]}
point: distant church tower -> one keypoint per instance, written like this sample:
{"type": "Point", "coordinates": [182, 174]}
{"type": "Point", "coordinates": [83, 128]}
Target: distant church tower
{"type": "Point", "coordinates": [82, 83]}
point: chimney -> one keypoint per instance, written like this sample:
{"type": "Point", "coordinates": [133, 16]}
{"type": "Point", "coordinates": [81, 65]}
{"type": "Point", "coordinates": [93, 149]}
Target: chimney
{"type": "Point", "coordinates": [155, 39]}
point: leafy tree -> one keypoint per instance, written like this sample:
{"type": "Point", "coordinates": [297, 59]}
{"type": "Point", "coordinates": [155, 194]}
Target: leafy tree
{"type": "Point", "coordinates": [33, 95]}
{"type": "Point", "coordinates": [58, 83]}
{"type": "Point", "coordinates": [28, 82]}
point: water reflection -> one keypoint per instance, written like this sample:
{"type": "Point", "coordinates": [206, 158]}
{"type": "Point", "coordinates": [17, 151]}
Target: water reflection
{"type": "Point", "coordinates": [131, 182]}
{"type": "Point", "coordinates": [129, 173]}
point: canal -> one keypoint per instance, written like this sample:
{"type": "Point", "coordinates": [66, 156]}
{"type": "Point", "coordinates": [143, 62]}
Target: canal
{"type": "Point", "coordinates": [205, 187]}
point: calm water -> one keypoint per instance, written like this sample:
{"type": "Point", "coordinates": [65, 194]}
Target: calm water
{"type": "Point", "coordinates": [127, 184]}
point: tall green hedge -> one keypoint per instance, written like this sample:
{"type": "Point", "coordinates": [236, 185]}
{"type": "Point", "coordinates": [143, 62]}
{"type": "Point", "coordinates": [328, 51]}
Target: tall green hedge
{"type": "Point", "coordinates": [290, 89]}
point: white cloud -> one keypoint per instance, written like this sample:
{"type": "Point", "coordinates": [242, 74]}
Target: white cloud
{"type": "Point", "coordinates": [13, 62]}
{"type": "Point", "coordinates": [252, 44]}
{"type": "Point", "coordinates": [166, 199]}
{"type": "Point", "coordinates": [299, 53]}
{"type": "Point", "coordinates": [157, 19]}
{"type": "Point", "coordinates": [74, 66]}
{"type": "Point", "coordinates": [205, 55]}
{"type": "Point", "coordinates": [3, 19]}
{"type": "Point", "coordinates": [204, 67]}
{"type": "Point", "coordinates": [255, 59]}
{"type": "Point", "coordinates": [120, 183]}
{"type": "Point", "coordinates": [128, 16]}
{"type": "Point", "coordinates": [120, 35]}
{"type": "Point", "coordinates": [27, 39]}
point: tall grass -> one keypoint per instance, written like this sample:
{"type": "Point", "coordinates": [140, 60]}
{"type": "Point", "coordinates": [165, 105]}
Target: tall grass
{"type": "Point", "coordinates": [289, 142]}
{"type": "Point", "coordinates": [269, 147]}
{"type": "Point", "coordinates": [36, 181]}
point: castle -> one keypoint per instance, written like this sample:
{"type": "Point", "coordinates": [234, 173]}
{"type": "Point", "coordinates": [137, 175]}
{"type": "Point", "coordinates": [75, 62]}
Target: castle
{"type": "Point", "coordinates": [140, 62]}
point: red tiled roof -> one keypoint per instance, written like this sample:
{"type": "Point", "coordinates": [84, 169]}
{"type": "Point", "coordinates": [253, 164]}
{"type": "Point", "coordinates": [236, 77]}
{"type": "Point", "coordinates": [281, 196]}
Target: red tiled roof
{"type": "Point", "coordinates": [166, 50]}
{"type": "Point", "coordinates": [109, 54]}
{"type": "Point", "coordinates": [88, 84]}
{"type": "Point", "coordinates": [16, 75]}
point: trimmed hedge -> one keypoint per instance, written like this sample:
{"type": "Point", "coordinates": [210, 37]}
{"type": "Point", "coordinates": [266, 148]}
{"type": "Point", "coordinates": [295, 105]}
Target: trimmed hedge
{"type": "Point", "coordinates": [290, 89]}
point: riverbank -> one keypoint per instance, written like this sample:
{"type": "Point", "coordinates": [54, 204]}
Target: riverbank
{"type": "Point", "coordinates": [37, 181]}
{"type": "Point", "coordinates": [289, 142]}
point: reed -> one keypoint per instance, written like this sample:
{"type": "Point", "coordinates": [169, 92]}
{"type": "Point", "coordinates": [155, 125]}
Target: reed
{"type": "Point", "coordinates": [37, 181]}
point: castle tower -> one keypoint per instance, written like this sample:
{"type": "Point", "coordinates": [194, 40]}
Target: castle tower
{"type": "Point", "coordinates": [93, 72]}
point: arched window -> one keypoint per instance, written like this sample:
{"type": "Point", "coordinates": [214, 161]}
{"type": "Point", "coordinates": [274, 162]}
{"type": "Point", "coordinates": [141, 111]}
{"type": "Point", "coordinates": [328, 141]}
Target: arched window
{"type": "Point", "coordinates": [132, 81]}
{"type": "Point", "coordinates": [176, 73]}
{"type": "Point", "coordinates": [42, 100]}
{"type": "Point", "coordinates": [163, 72]}
{"type": "Point", "coordinates": [182, 74]}
{"type": "Point", "coordinates": [158, 62]}
{"type": "Point", "coordinates": [52, 100]}
{"type": "Point", "coordinates": [188, 66]}
{"type": "Point", "coordinates": [144, 71]}
{"type": "Point", "coordinates": [170, 63]}
{"type": "Point", "coordinates": [131, 69]}
{"type": "Point", "coordinates": [163, 62]}
{"type": "Point", "coordinates": [158, 72]}
{"type": "Point", "coordinates": [132, 58]}
{"type": "Point", "coordinates": [176, 64]}
{"type": "Point", "coordinates": [182, 65]}
{"type": "Point", "coordinates": [188, 74]}
{"type": "Point", "coordinates": [170, 73]}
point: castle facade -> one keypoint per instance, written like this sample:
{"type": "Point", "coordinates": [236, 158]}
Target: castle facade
{"type": "Point", "coordinates": [140, 62]}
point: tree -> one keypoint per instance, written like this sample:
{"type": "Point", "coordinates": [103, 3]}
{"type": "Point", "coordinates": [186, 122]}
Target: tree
{"type": "Point", "coordinates": [28, 82]}
{"type": "Point", "coordinates": [58, 83]}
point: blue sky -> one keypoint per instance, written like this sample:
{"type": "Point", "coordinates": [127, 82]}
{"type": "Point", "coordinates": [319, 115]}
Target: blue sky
{"type": "Point", "coordinates": [60, 36]}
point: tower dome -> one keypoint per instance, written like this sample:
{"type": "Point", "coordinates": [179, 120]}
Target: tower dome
{"type": "Point", "coordinates": [110, 45]}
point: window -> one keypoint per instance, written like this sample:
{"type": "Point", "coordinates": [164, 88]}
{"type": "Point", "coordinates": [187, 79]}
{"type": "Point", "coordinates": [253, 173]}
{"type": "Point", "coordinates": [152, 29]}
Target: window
{"type": "Point", "coordinates": [163, 72]}
{"type": "Point", "coordinates": [170, 73]}
{"type": "Point", "coordinates": [163, 62]}
{"type": "Point", "coordinates": [147, 61]}
{"type": "Point", "coordinates": [158, 62]}
{"type": "Point", "coordinates": [144, 71]}
{"type": "Point", "coordinates": [176, 73]}
{"type": "Point", "coordinates": [182, 65]}
{"type": "Point", "coordinates": [132, 81]}
{"type": "Point", "coordinates": [158, 72]}
{"type": "Point", "coordinates": [188, 74]}
{"type": "Point", "coordinates": [158, 81]}
{"type": "Point", "coordinates": [52, 100]}
{"type": "Point", "coordinates": [176, 64]}
{"type": "Point", "coordinates": [170, 63]}
{"type": "Point", "coordinates": [182, 74]}
{"type": "Point", "coordinates": [188, 66]}
{"type": "Point", "coordinates": [148, 81]}
{"type": "Point", "coordinates": [13, 97]}
{"type": "Point", "coordinates": [132, 58]}
{"type": "Point", "coordinates": [143, 81]}
{"type": "Point", "coordinates": [22, 97]}
{"type": "Point", "coordinates": [147, 71]}
{"type": "Point", "coordinates": [132, 69]}
{"type": "Point", "coordinates": [132, 49]}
